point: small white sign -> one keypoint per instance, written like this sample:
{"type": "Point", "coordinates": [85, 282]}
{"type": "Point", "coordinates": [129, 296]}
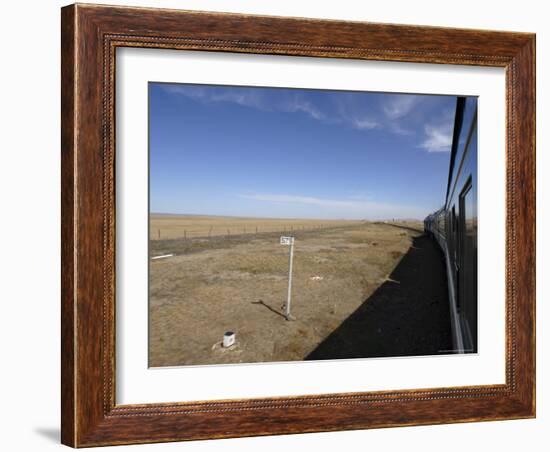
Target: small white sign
{"type": "Point", "coordinates": [287, 241]}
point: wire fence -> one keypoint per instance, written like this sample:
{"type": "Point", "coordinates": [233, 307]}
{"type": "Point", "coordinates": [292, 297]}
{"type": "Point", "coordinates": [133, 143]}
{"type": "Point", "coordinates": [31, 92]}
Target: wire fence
{"type": "Point", "coordinates": [175, 232]}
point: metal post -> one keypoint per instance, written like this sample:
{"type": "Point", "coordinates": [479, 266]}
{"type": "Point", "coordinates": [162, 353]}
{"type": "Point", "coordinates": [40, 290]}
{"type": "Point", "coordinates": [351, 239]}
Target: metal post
{"type": "Point", "coordinates": [287, 313]}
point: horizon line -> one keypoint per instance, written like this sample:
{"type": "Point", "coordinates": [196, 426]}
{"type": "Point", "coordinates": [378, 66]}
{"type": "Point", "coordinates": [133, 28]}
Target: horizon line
{"type": "Point", "coordinates": [281, 218]}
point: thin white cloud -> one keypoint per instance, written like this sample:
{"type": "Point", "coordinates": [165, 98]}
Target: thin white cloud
{"type": "Point", "coordinates": [399, 105]}
{"type": "Point", "coordinates": [193, 92]}
{"type": "Point", "coordinates": [352, 208]}
{"type": "Point", "coordinates": [364, 123]}
{"type": "Point", "coordinates": [391, 115]}
{"type": "Point", "coordinates": [290, 103]}
{"type": "Point", "coordinates": [294, 199]}
{"type": "Point", "coordinates": [398, 129]}
{"type": "Point", "coordinates": [247, 98]}
{"type": "Point", "coordinates": [297, 104]}
{"type": "Point", "coordinates": [438, 138]}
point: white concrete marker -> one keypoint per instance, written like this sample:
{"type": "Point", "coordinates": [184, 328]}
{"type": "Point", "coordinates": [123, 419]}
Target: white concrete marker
{"type": "Point", "coordinates": [228, 339]}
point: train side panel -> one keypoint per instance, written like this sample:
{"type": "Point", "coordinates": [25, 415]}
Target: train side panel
{"type": "Point", "coordinates": [462, 222]}
{"type": "Point", "coordinates": [454, 227]}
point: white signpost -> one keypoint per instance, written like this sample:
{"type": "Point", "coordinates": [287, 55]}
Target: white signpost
{"type": "Point", "coordinates": [289, 241]}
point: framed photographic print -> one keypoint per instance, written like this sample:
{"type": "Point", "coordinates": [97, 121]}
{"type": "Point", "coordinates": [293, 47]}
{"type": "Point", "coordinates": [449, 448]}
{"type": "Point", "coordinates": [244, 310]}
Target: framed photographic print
{"type": "Point", "coordinates": [281, 225]}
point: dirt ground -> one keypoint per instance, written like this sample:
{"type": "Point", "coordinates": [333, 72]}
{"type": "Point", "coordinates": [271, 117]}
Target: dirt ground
{"type": "Point", "coordinates": [239, 283]}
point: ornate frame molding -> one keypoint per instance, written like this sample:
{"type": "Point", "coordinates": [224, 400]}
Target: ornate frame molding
{"type": "Point", "coordinates": [90, 36]}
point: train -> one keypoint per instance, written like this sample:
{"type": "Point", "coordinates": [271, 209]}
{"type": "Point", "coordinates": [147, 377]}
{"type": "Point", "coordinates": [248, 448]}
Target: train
{"type": "Point", "coordinates": [454, 227]}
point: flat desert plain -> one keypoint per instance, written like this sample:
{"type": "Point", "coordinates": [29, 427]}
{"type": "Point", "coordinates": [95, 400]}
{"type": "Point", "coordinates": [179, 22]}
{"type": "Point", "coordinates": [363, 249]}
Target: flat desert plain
{"type": "Point", "coordinates": [360, 289]}
{"type": "Point", "coordinates": [166, 226]}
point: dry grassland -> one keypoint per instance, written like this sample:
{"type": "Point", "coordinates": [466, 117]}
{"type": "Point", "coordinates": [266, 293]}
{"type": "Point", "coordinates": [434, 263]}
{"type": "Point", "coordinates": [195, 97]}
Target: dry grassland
{"type": "Point", "coordinates": [239, 283]}
{"type": "Point", "coordinates": [192, 226]}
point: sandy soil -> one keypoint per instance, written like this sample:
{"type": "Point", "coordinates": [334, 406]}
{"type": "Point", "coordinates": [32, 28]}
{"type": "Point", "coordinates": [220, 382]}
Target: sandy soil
{"type": "Point", "coordinates": [239, 284]}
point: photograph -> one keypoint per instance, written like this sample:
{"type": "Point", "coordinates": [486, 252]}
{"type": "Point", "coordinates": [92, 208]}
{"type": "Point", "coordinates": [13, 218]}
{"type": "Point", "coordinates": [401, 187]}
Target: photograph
{"type": "Point", "coordinates": [269, 224]}
{"type": "Point", "coordinates": [291, 224]}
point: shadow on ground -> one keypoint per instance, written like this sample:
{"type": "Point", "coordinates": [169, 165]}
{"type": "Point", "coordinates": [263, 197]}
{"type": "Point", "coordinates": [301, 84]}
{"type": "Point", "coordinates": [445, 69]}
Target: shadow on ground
{"type": "Point", "coordinates": [407, 315]}
{"type": "Point", "coordinates": [264, 304]}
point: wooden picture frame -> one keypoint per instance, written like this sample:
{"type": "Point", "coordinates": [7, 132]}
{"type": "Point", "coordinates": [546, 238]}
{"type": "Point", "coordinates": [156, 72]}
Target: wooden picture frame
{"type": "Point", "coordinates": [90, 36]}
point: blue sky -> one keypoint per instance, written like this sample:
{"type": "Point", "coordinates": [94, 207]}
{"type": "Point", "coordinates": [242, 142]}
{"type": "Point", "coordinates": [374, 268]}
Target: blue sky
{"type": "Point", "coordinates": [293, 153]}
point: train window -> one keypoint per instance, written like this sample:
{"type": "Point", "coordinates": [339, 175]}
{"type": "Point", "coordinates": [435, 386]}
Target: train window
{"type": "Point", "coordinates": [467, 275]}
{"type": "Point", "coordinates": [453, 229]}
